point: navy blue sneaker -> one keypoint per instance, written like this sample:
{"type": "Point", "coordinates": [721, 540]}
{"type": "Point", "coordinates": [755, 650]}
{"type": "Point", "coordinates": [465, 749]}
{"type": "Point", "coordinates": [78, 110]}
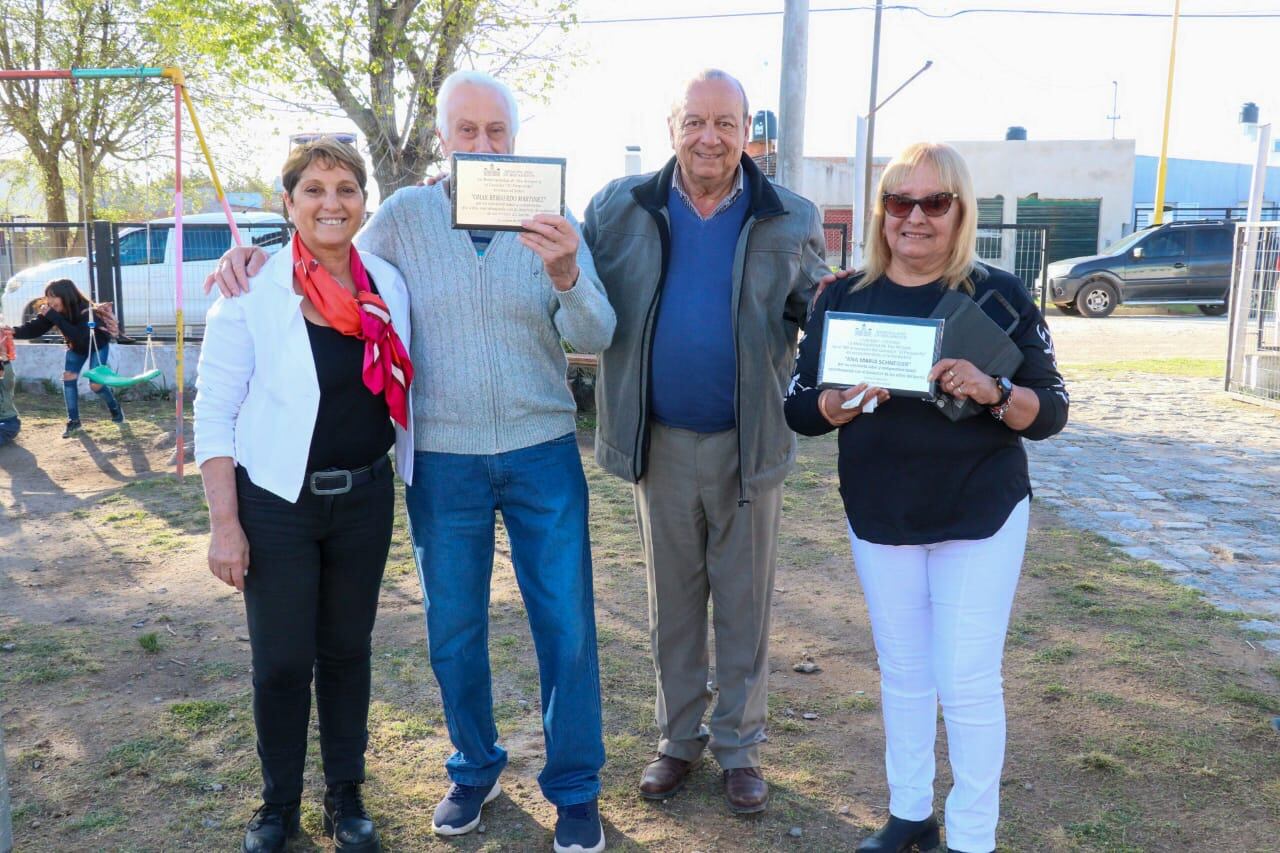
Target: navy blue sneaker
{"type": "Point", "coordinates": [578, 829]}
{"type": "Point", "coordinates": [459, 811]}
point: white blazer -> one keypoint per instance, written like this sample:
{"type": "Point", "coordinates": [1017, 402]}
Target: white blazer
{"type": "Point", "coordinates": [257, 392]}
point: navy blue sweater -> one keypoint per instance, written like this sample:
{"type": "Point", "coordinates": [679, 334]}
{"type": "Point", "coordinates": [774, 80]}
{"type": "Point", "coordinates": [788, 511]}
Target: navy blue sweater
{"type": "Point", "coordinates": [695, 369]}
{"type": "Point", "coordinates": [908, 475]}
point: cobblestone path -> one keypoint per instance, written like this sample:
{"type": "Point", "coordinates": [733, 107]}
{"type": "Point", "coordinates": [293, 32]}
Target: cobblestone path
{"type": "Point", "coordinates": [1172, 470]}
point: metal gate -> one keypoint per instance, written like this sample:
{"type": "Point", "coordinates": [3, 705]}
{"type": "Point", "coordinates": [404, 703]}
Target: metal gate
{"type": "Point", "coordinates": [1019, 249]}
{"type": "Point", "coordinates": [25, 248]}
{"type": "Point", "coordinates": [1253, 349]}
{"type": "Point", "coordinates": [1073, 222]}
{"type": "Point", "coordinates": [836, 235]}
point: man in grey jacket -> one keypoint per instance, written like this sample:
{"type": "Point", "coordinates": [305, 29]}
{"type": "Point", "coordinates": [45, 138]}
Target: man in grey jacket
{"type": "Point", "coordinates": [494, 431]}
{"type": "Point", "coordinates": [710, 270]}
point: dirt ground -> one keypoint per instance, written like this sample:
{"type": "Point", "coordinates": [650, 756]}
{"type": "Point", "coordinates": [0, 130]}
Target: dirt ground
{"type": "Point", "coordinates": [1139, 717]}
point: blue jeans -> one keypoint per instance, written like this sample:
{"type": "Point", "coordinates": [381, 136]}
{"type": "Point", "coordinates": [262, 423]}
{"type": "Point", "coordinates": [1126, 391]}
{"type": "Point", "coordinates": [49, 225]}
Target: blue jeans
{"type": "Point", "coordinates": [9, 429]}
{"type": "Point", "coordinates": [542, 495]}
{"type": "Point", "coordinates": [70, 390]}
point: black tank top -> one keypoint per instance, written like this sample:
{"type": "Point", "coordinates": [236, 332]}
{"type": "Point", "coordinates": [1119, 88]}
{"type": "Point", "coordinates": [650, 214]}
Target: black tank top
{"type": "Point", "coordinates": [353, 425]}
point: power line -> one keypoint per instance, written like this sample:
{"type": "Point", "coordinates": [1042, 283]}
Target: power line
{"type": "Point", "coordinates": [902, 7]}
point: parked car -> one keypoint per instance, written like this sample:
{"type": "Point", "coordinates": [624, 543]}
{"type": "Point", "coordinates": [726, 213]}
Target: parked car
{"type": "Point", "coordinates": [146, 257]}
{"type": "Point", "coordinates": [1174, 263]}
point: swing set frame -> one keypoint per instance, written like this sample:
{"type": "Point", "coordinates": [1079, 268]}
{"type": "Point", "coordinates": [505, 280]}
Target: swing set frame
{"type": "Point", "coordinates": [180, 97]}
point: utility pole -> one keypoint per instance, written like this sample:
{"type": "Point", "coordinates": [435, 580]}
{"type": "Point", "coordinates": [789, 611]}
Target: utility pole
{"type": "Point", "coordinates": [871, 122]}
{"type": "Point", "coordinates": [1162, 171]}
{"type": "Point", "coordinates": [1115, 112]}
{"type": "Point", "coordinates": [795, 65]}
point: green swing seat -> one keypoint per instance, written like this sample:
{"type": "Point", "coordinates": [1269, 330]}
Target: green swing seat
{"type": "Point", "coordinates": [103, 375]}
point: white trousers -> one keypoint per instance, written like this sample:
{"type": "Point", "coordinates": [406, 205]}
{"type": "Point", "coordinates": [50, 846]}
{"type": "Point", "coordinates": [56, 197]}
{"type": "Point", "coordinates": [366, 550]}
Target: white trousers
{"type": "Point", "coordinates": [939, 614]}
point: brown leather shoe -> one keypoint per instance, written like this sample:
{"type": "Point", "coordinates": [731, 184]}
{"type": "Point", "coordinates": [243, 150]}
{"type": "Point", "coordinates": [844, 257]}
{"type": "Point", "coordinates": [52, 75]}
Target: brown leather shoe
{"type": "Point", "coordinates": [664, 776]}
{"type": "Point", "coordinates": [746, 790]}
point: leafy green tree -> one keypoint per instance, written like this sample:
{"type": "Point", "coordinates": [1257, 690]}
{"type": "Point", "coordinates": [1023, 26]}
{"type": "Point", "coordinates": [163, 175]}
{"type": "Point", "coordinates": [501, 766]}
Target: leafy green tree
{"type": "Point", "coordinates": [72, 128]}
{"type": "Point", "coordinates": [380, 62]}
{"type": "Point", "coordinates": [79, 133]}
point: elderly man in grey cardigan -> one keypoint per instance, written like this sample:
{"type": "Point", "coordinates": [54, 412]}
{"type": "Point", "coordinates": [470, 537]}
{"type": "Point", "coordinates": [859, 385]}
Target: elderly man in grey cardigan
{"type": "Point", "coordinates": [494, 432]}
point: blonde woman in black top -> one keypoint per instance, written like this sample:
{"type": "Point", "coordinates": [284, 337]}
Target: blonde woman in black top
{"type": "Point", "coordinates": [937, 510]}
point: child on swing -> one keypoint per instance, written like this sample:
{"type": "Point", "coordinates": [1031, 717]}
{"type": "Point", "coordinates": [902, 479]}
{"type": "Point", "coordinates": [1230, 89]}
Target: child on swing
{"type": "Point", "coordinates": [69, 310]}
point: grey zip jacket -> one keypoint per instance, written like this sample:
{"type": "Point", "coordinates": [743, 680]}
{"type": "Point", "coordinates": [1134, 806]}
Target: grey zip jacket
{"type": "Point", "coordinates": [777, 264]}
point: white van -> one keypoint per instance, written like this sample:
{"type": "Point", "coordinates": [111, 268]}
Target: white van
{"type": "Point", "coordinates": [147, 282]}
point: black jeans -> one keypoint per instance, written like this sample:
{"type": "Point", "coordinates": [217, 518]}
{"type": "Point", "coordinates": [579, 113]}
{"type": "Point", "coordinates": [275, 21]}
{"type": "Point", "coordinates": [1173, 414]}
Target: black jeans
{"type": "Point", "coordinates": [311, 596]}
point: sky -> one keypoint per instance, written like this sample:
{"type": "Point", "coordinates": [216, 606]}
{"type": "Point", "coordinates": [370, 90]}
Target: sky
{"type": "Point", "coordinates": [1051, 74]}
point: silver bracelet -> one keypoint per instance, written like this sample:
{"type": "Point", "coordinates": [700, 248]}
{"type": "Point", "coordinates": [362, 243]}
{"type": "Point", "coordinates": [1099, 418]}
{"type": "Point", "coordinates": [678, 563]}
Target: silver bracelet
{"type": "Point", "coordinates": [998, 412]}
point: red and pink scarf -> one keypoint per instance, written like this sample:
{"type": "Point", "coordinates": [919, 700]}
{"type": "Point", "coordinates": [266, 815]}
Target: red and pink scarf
{"type": "Point", "coordinates": [387, 369]}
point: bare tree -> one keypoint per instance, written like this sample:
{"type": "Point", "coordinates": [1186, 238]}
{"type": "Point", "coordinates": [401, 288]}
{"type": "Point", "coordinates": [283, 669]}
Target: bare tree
{"type": "Point", "coordinates": [33, 109]}
{"type": "Point", "coordinates": [381, 62]}
{"type": "Point", "coordinates": [76, 129]}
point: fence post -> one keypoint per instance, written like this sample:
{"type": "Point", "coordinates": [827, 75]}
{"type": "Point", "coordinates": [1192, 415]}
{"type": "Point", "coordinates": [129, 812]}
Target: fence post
{"type": "Point", "coordinates": [104, 267]}
{"type": "Point", "coordinates": [6, 817]}
{"type": "Point", "coordinates": [1044, 269]}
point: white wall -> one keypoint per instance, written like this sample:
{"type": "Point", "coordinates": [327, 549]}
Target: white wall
{"type": "Point", "coordinates": [1015, 169]}
{"type": "Point", "coordinates": [828, 181]}
{"type": "Point", "coordinates": [40, 361]}
{"type": "Point", "coordinates": [1088, 168]}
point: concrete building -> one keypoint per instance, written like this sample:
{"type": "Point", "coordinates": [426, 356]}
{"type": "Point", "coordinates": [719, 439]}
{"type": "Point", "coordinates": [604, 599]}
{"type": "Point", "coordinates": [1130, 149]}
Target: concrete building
{"type": "Point", "coordinates": [1200, 188]}
{"type": "Point", "coordinates": [1082, 189]}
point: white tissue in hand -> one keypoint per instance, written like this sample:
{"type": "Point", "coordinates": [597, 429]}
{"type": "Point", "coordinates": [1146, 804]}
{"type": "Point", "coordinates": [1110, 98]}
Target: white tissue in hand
{"type": "Point", "coordinates": [854, 401]}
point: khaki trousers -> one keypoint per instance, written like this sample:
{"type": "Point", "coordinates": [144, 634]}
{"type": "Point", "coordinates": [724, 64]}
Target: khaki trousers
{"type": "Point", "coordinates": [699, 544]}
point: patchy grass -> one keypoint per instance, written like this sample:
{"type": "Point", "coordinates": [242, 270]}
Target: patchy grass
{"type": "Point", "coordinates": [1200, 368]}
{"type": "Point", "coordinates": [44, 654]}
{"type": "Point", "coordinates": [1137, 714]}
{"type": "Point", "coordinates": [198, 714]}
{"type": "Point", "coordinates": [150, 642]}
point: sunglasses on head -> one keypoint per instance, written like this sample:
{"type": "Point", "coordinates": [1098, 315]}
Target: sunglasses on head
{"type": "Point", "coordinates": [899, 206]}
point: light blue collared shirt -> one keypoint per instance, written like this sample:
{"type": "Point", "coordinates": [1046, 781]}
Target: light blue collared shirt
{"type": "Point", "coordinates": [677, 182]}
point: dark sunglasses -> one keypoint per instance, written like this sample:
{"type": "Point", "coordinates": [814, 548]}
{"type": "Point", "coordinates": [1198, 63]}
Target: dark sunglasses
{"type": "Point", "coordinates": [899, 206]}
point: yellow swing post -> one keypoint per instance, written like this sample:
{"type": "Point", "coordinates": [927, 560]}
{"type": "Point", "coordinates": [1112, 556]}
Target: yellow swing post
{"type": "Point", "coordinates": [180, 96]}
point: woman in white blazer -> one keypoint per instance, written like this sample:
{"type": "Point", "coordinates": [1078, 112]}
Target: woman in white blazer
{"type": "Point", "coordinates": [302, 390]}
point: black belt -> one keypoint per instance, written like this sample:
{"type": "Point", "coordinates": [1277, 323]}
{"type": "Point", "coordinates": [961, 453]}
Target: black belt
{"type": "Point", "coordinates": [339, 481]}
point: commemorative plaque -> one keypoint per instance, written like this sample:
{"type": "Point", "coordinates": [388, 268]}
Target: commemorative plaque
{"type": "Point", "coordinates": [893, 353]}
{"type": "Point", "coordinates": [496, 192]}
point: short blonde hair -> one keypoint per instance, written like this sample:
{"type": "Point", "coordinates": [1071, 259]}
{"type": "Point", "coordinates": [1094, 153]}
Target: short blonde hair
{"type": "Point", "coordinates": [953, 172]}
{"type": "Point", "coordinates": [329, 151]}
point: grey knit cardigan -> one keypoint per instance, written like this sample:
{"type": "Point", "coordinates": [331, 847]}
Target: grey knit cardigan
{"type": "Point", "coordinates": [486, 345]}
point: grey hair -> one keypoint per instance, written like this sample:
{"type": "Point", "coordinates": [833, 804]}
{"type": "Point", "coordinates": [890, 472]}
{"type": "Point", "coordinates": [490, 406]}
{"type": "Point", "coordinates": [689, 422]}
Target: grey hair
{"type": "Point", "coordinates": [705, 75]}
{"type": "Point", "coordinates": [477, 78]}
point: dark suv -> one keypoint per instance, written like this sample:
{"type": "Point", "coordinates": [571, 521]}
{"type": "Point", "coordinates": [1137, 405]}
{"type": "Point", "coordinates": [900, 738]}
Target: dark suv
{"type": "Point", "coordinates": [1177, 262]}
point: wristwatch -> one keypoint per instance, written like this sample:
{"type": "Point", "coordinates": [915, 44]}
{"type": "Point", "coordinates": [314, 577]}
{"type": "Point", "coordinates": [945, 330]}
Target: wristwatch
{"type": "Point", "coordinates": [1001, 406]}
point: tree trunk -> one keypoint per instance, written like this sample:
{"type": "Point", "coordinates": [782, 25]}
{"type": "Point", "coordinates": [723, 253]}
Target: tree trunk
{"type": "Point", "coordinates": [395, 168]}
{"type": "Point", "coordinates": [55, 199]}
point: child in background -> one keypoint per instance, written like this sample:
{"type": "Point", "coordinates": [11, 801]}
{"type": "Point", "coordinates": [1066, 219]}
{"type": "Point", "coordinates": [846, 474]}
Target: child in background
{"type": "Point", "coordinates": [67, 309]}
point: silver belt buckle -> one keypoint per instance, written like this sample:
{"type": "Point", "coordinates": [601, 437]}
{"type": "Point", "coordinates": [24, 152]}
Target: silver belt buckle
{"type": "Point", "coordinates": [339, 490]}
